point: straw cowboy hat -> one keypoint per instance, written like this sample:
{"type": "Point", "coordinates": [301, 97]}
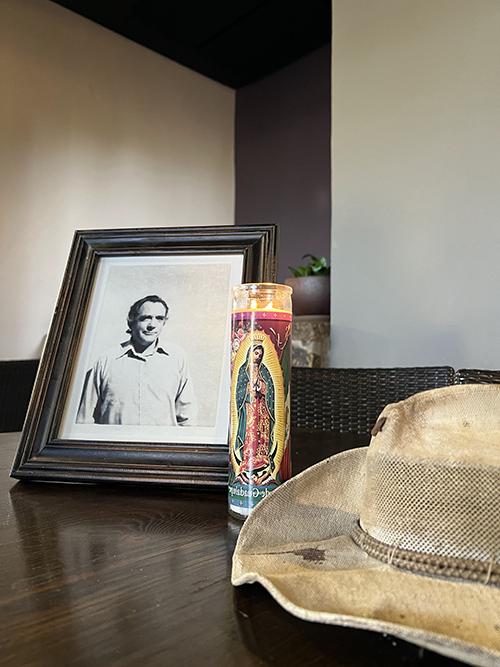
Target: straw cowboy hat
{"type": "Point", "coordinates": [401, 537]}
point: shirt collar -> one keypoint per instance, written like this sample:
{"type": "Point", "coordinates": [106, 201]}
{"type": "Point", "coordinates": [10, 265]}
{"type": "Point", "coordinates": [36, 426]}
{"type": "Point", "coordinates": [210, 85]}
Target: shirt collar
{"type": "Point", "coordinates": [127, 348]}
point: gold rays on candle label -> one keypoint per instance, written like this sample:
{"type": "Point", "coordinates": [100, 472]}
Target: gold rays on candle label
{"type": "Point", "coordinates": [259, 442]}
{"type": "Point", "coordinates": [257, 412]}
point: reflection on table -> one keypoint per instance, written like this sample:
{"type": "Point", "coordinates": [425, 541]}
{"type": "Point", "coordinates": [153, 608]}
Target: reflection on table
{"type": "Point", "coordinates": [123, 575]}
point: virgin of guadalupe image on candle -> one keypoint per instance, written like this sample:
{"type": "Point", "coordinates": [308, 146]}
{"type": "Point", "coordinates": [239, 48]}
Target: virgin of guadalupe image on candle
{"type": "Point", "coordinates": [258, 442]}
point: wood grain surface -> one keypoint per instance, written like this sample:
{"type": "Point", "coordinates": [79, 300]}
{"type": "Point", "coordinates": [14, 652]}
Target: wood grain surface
{"type": "Point", "coordinates": [112, 575]}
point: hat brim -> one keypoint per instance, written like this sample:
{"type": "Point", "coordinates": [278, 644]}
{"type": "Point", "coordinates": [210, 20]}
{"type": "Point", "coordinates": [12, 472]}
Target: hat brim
{"type": "Point", "coordinates": [297, 544]}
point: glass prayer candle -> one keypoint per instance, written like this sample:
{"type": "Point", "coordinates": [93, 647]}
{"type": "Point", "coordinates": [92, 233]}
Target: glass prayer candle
{"type": "Point", "coordinates": [259, 444]}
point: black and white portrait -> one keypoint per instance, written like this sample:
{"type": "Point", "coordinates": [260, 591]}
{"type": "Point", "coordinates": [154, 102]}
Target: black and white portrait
{"type": "Point", "coordinates": [143, 380]}
{"type": "Point", "coordinates": [152, 363]}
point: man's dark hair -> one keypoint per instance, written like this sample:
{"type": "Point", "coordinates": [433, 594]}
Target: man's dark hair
{"type": "Point", "coordinates": [135, 307]}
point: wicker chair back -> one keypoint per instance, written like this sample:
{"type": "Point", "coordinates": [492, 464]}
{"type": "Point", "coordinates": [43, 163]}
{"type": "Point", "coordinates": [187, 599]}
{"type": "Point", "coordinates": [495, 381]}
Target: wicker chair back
{"type": "Point", "coordinates": [349, 400]}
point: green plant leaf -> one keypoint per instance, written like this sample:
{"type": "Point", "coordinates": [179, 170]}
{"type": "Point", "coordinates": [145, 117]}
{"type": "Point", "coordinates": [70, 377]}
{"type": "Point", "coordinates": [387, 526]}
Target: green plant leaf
{"type": "Point", "coordinates": [317, 266]}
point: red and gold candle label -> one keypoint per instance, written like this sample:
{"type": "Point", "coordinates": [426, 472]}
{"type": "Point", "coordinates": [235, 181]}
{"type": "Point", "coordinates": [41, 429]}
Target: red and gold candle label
{"type": "Point", "coordinates": [259, 444]}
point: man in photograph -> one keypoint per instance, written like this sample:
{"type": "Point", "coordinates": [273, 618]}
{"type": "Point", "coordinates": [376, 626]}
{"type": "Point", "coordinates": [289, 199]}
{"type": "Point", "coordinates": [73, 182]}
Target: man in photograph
{"type": "Point", "coordinates": [143, 381]}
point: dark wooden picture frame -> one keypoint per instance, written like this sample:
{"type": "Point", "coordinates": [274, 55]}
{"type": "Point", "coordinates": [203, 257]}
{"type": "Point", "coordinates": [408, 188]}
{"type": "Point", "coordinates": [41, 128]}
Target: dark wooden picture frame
{"type": "Point", "coordinates": [42, 455]}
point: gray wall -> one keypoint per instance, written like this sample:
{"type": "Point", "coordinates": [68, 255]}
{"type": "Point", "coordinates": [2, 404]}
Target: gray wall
{"type": "Point", "coordinates": [416, 148]}
{"type": "Point", "coordinates": [282, 154]}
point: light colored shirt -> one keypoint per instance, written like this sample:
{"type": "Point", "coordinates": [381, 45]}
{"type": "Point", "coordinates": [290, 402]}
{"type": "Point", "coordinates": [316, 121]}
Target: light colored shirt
{"type": "Point", "coordinates": [125, 387]}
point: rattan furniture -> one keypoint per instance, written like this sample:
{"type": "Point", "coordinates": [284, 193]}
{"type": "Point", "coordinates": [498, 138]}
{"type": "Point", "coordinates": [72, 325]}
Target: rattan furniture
{"type": "Point", "coordinates": [340, 400]}
{"type": "Point", "coordinates": [349, 400]}
{"type": "Point", "coordinates": [16, 382]}
{"type": "Point", "coordinates": [476, 376]}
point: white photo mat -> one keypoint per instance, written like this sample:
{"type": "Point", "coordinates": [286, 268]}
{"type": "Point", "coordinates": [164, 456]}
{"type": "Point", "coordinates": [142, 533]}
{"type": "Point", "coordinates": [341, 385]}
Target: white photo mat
{"type": "Point", "coordinates": [197, 289]}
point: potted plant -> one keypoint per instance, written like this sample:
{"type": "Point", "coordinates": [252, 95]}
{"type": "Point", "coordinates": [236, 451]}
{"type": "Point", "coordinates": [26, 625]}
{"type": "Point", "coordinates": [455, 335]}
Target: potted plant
{"type": "Point", "coordinates": [311, 287]}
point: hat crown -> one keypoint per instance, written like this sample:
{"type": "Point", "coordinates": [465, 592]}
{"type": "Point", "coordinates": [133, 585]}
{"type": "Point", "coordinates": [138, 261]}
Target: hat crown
{"type": "Point", "coordinates": [433, 474]}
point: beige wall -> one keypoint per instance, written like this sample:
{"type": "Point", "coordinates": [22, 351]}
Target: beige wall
{"type": "Point", "coordinates": [416, 172]}
{"type": "Point", "coordinates": [96, 132]}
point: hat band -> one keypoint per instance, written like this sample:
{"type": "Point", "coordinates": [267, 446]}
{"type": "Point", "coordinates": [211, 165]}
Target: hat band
{"type": "Point", "coordinates": [485, 572]}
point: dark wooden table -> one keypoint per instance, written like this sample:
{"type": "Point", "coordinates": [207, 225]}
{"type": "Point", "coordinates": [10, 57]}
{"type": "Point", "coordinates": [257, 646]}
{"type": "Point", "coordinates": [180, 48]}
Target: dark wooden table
{"type": "Point", "coordinates": [120, 575]}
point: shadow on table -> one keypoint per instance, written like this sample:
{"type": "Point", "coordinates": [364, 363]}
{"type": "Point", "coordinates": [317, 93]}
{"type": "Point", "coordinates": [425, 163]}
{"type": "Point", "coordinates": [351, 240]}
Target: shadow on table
{"type": "Point", "coordinates": [279, 638]}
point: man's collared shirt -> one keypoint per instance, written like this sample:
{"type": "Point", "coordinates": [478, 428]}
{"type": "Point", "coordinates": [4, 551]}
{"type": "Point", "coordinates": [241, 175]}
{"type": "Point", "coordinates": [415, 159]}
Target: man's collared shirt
{"type": "Point", "coordinates": [125, 387]}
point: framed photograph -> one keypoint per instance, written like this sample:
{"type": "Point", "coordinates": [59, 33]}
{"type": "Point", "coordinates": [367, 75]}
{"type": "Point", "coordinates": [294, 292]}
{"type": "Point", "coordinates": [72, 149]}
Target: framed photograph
{"type": "Point", "coordinates": [134, 380]}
